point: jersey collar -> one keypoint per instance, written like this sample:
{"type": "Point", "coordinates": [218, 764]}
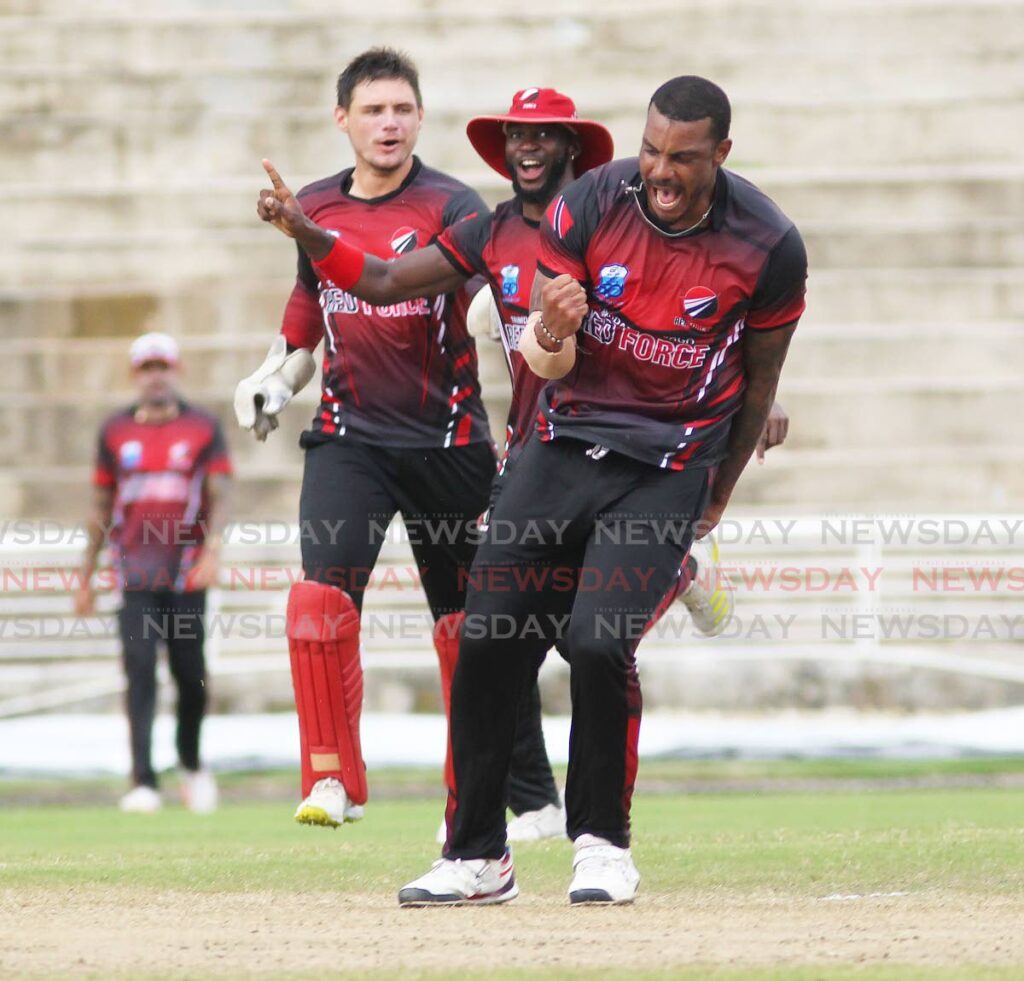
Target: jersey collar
{"type": "Point", "coordinates": [346, 183]}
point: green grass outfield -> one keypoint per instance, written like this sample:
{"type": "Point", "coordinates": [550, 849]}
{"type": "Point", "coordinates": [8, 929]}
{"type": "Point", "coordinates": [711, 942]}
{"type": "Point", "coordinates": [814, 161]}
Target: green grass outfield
{"type": "Point", "coordinates": [816, 844]}
{"type": "Point", "coordinates": [805, 845]}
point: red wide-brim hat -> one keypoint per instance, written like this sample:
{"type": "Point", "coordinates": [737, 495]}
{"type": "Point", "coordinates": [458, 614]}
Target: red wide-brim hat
{"type": "Point", "coordinates": [536, 106]}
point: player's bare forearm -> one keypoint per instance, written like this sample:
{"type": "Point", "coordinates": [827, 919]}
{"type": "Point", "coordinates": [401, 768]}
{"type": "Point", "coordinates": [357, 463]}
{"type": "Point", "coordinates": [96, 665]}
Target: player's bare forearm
{"type": "Point", "coordinates": [315, 241]}
{"type": "Point", "coordinates": [218, 489]}
{"type": "Point", "coordinates": [203, 574]}
{"type": "Point", "coordinates": [425, 272]}
{"type": "Point", "coordinates": [764, 353]}
{"type": "Point", "coordinates": [96, 528]}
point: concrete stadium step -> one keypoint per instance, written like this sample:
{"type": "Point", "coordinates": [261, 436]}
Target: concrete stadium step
{"type": "Point", "coordinates": [878, 194]}
{"type": "Point", "coordinates": [235, 303]}
{"type": "Point", "coordinates": [908, 295]}
{"type": "Point", "coordinates": [879, 350]}
{"type": "Point", "coordinates": [94, 258]}
{"type": "Point", "coordinates": [131, 145]}
{"type": "Point", "coordinates": [61, 251]}
{"type": "Point", "coordinates": [185, 308]}
{"type": "Point", "coordinates": [182, 32]}
{"type": "Point", "coordinates": [861, 416]}
{"type": "Point", "coordinates": [868, 414]}
{"type": "Point", "coordinates": [98, 366]}
{"type": "Point", "coordinates": [971, 478]}
{"type": "Point", "coordinates": [279, 80]}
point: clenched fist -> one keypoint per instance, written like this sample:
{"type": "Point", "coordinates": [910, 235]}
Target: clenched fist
{"type": "Point", "coordinates": [564, 305]}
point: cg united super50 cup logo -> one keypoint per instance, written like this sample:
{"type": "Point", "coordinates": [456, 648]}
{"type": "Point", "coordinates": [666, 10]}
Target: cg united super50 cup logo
{"type": "Point", "coordinates": [509, 281]}
{"type": "Point", "coordinates": [403, 240]}
{"type": "Point", "coordinates": [130, 454]}
{"type": "Point", "coordinates": [611, 282]}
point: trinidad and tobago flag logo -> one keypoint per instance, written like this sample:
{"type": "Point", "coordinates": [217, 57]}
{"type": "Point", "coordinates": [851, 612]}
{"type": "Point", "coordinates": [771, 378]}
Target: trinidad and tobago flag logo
{"type": "Point", "coordinates": [700, 303]}
{"type": "Point", "coordinates": [403, 240]}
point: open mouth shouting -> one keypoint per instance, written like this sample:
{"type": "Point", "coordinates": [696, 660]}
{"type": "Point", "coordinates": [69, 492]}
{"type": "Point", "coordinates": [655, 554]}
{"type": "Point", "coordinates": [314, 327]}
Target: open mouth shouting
{"type": "Point", "coordinates": [665, 202]}
{"type": "Point", "coordinates": [530, 170]}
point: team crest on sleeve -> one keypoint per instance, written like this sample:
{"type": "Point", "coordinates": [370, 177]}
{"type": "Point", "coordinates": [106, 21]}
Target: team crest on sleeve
{"type": "Point", "coordinates": [403, 240]}
{"type": "Point", "coordinates": [611, 282]}
{"type": "Point", "coordinates": [509, 281]}
{"type": "Point", "coordinates": [130, 454]}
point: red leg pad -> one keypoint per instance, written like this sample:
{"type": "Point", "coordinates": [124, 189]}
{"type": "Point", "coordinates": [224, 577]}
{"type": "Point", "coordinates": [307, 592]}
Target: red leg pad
{"type": "Point", "coordinates": [323, 642]}
{"type": "Point", "coordinates": [447, 634]}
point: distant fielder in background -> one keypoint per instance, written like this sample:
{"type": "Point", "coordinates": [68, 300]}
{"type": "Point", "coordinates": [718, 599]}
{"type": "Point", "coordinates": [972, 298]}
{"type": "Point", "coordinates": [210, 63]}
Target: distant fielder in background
{"type": "Point", "coordinates": [161, 483]}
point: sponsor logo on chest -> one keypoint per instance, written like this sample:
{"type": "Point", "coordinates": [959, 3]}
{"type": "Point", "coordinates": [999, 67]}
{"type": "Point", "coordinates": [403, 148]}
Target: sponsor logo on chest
{"type": "Point", "coordinates": [403, 240]}
{"type": "Point", "coordinates": [700, 308]}
{"type": "Point", "coordinates": [179, 456]}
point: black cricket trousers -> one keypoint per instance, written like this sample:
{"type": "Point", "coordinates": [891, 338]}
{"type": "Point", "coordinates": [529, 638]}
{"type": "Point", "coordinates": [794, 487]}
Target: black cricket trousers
{"type": "Point", "coordinates": [582, 546]}
{"type": "Point", "coordinates": [146, 618]}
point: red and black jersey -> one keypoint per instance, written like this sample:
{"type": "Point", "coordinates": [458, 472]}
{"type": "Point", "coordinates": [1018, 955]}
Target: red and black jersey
{"type": "Point", "coordinates": [403, 375]}
{"type": "Point", "coordinates": [158, 472]}
{"type": "Point", "coordinates": [659, 370]}
{"type": "Point", "coordinates": [503, 248]}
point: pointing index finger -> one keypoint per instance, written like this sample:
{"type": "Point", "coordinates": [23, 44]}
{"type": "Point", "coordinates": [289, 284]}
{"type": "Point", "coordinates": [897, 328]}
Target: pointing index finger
{"type": "Point", "coordinates": [275, 177]}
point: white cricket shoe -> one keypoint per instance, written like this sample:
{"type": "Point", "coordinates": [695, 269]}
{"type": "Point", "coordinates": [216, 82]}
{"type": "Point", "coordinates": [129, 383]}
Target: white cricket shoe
{"type": "Point", "coordinates": [463, 882]}
{"type": "Point", "coordinates": [328, 805]}
{"type": "Point", "coordinates": [602, 873]}
{"type": "Point", "coordinates": [548, 822]}
{"type": "Point", "coordinates": [199, 791]}
{"type": "Point", "coordinates": [141, 800]}
{"type": "Point", "coordinates": [707, 599]}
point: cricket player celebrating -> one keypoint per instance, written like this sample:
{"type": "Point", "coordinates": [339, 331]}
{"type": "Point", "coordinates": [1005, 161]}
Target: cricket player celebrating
{"type": "Point", "coordinates": [667, 291]}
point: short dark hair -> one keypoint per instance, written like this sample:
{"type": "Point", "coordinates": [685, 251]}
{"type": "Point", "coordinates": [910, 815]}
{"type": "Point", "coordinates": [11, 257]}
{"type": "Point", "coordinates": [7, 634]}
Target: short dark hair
{"type": "Point", "coordinates": [374, 64]}
{"type": "Point", "coordinates": [688, 98]}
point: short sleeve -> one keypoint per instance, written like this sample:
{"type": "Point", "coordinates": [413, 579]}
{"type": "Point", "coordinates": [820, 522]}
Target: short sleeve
{"type": "Point", "coordinates": [302, 323]}
{"type": "Point", "coordinates": [566, 229]}
{"type": "Point", "coordinates": [463, 243]}
{"type": "Point", "coordinates": [105, 469]}
{"type": "Point", "coordinates": [778, 300]}
{"type": "Point", "coordinates": [218, 459]}
{"type": "Point", "coordinates": [464, 203]}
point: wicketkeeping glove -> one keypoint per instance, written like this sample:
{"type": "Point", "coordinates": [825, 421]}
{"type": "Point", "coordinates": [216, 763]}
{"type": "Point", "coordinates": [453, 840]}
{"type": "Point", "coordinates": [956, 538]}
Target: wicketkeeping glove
{"type": "Point", "coordinates": [260, 397]}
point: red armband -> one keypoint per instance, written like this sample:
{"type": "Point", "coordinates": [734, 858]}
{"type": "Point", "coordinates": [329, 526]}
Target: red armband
{"type": "Point", "coordinates": [343, 265]}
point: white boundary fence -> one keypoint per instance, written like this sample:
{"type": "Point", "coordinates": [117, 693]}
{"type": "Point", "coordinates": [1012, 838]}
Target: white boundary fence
{"type": "Point", "coordinates": [929, 592]}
